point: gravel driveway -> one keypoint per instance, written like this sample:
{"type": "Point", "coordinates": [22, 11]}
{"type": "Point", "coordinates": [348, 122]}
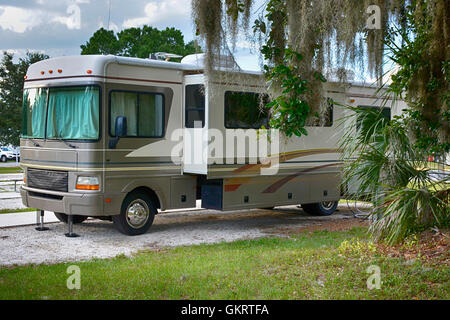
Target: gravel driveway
{"type": "Point", "coordinates": [99, 239]}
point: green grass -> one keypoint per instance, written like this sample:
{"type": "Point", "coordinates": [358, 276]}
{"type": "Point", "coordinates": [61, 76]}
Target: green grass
{"type": "Point", "coordinates": [8, 170]}
{"type": "Point", "coordinates": [4, 211]}
{"type": "Point", "coordinates": [305, 266]}
{"type": "Point", "coordinates": [437, 166]}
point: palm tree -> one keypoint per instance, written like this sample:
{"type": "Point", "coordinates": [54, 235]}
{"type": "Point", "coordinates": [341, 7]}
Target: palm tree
{"type": "Point", "coordinates": [393, 174]}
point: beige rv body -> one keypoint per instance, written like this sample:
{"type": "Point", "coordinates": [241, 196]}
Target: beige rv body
{"type": "Point", "coordinates": [309, 169]}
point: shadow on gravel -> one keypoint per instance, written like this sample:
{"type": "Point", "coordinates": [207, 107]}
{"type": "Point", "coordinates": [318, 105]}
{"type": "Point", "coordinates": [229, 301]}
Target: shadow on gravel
{"type": "Point", "coordinates": [245, 219]}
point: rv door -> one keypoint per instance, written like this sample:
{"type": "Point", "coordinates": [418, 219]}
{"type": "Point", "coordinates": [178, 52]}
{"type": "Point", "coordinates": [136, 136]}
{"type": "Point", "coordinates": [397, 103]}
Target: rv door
{"type": "Point", "coordinates": [195, 126]}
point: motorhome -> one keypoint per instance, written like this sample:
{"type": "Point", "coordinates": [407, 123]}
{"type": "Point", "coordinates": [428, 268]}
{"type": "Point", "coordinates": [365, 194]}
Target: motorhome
{"type": "Point", "coordinates": [113, 138]}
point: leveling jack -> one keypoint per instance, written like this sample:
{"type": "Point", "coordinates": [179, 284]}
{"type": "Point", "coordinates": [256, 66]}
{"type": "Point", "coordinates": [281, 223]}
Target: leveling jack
{"type": "Point", "coordinates": [41, 223]}
{"type": "Point", "coordinates": [70, 224]}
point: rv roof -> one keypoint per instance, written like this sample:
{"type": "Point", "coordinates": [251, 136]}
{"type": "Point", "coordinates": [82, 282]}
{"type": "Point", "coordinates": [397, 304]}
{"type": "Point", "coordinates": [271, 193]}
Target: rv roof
{"type": "Point", "coordinates": [78, 65]}
{"type": "Point", "coordinates": [95, 65]}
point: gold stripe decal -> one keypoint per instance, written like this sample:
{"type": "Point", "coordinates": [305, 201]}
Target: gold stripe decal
{"type": "Point", "coordinates": [102, 169]}
{"type": "Point", "coordinates": [277, 185]}
{"type": "Point", "coordinates": [235, 183]}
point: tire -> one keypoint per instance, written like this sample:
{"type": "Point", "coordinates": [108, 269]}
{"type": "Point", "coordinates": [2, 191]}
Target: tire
{"type": "Point", "coordinates": [136, 214]}
{"type": "Point", "coordinates": [4, 158]}
{"type": "Point", "coordinates": [64, 218]}
{"type": "Point", "coordinates": [325, 208]}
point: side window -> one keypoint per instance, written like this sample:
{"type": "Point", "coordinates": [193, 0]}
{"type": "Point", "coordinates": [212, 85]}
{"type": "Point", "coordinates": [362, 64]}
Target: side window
{"type": "Point", "coordinates": [386, 113]}
{"type": "Point", "coordinates": [151, 115]}
{"type": "Point", "coordinates": [242, 110]}
{"type": "Point", "coordinates": [124, 104]}
{"type": "Point", "coordinates": [144, 112]}
{"type": "Point", "coordinates": [326, 120]}
{"type": "Point", "coordinates": [195, 105]}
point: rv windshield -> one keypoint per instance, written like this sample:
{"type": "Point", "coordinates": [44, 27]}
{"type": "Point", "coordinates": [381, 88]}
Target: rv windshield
{"type": "Point", "coordinates": [69, 113]}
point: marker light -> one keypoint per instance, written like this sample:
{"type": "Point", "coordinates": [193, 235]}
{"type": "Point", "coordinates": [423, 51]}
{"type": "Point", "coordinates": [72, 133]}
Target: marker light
{"type": "Point", "coordinates": [50, 71]}
{"type": "Point", "coordinates": [59, 70]}
{"type": "Point", "coordinates": [25, 77]}
{"type": "Point", "coordinates": [87, 183]}
{"type": "Point", "coordinates": [42, 72]}
{"type": "Point", "coordinates": [89, 71]}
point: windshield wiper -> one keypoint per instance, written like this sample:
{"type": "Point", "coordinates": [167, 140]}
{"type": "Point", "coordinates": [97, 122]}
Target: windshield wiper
{"type": "Point", "coordinates": [66, 143]}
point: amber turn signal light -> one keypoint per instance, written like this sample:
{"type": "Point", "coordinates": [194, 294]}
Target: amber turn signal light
{"type": "Point", "coordinates": [87, 187]}
{"type": "Point", "coordinates": [88, 183]}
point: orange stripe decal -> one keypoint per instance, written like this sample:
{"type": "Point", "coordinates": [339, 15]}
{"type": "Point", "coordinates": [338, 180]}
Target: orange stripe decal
{"type": "Point", "coordinates": [232, 187]}
{"type": "Point", "coordinates": [285, 157]}
{"type": "Point", "coordinates": [235, 183]}
{"type": "Point", "coordinates": [277, 185]}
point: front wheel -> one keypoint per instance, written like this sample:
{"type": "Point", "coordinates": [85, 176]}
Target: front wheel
{"type": "Point", "coordinates": [136, 215]}
{"type": "Point", "coordinates": [64, 218]}
{"type": "Point", "coordinates": [325, 208]}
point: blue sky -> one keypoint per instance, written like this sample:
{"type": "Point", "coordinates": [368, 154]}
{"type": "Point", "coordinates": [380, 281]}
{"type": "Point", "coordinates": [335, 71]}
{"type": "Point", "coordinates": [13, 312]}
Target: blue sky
{"type": "Point", "coordinates": [59, 27]}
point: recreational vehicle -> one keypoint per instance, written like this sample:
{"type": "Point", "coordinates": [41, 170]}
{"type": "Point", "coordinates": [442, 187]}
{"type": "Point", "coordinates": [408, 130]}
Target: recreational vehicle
{"type": "Point", "coordinates": [113, 138]}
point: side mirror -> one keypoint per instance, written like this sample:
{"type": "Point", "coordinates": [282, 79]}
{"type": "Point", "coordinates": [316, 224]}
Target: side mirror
{"type": "Point", "coordinates": [121, 127]}
{"type": "Point", "coordinates": [121, 131]}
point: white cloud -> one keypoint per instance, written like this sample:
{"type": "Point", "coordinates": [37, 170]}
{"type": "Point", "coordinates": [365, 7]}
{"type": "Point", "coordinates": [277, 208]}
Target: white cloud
{"type": "Point", "coordinates": [244, 44]}
{"type": "Point", "coordinates": [21, 20]}
{"type": "Point", "coordinates": [18, 19]}
{"type": "Point", "coordinates": [161, 12]}
{"type": "Point", "coordinates": [20, 53]}
{"type": "Point", "coordinates": [112, 26]}
{"type": "Point", "coordinates": [47, 25]}
{"type": "Point", "coordinates": [73, 21]}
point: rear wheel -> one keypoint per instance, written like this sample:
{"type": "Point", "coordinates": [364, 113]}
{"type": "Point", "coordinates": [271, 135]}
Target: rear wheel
{"type": "Point", "coordinates": [325, 208]}
{"type": "Point", "coordinates": [3, 158]}
{"type": "Point", "coordinates": [136, 215]}
{"type": "Point", "coordinates": [64, 218]}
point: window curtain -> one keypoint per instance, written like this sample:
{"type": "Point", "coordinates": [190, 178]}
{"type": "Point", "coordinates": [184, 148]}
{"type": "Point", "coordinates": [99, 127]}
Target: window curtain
{"type": "Point", "coordinates": [34, 109]}
{"type": "Point", "coordinates": [124, 104]}
{"type": "Point", "coordinates": [73, 113]}
{"type": "Point", "coordinates": [151, 115]}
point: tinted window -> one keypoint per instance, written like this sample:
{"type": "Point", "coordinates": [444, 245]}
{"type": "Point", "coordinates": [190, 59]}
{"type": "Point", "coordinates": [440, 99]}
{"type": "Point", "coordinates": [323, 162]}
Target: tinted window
{"type": "Point", "coordinates": [195, 105]}
{"type": "Point", "coordinates": [386, 113]}
{"type": "Point", "coordinates": [71, 113]}
{"type": "Point", "coordinates": [34, 112]}
{"type": "Point", "coordinates": [144, 113]}
{"type": "Point", "coordinates": [243, 110]}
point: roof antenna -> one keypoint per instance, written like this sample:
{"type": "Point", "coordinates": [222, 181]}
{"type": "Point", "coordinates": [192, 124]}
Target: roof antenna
{"type": "Point", "coordinates": [109, 12]}
{"type": "Point", "coordinates": [164, 56]}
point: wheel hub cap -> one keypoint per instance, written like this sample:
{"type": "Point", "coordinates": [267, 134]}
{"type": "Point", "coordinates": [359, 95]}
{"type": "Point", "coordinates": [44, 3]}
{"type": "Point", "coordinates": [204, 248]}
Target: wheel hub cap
{"type": "Point", "coordinates": [327, 205]}
{"type": "Point", "coordinates": [137, 214]}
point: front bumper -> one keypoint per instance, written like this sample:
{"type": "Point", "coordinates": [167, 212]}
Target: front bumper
{"type": "Point", "coordinates": [68, 203]}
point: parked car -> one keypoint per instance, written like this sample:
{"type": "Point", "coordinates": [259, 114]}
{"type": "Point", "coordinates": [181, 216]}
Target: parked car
{"type": "Point", "coordinates": [7, 154]}
{"type": "Point", "coordinates": [17, 152]}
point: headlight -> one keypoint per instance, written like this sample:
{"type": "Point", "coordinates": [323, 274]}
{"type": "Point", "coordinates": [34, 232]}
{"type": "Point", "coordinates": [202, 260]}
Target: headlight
{"type": "Point", "coordinates": [87, 183]}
